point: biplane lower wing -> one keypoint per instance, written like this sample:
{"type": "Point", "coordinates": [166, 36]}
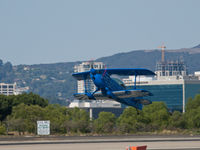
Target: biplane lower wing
{"type": "Point", "coordinates": [118, 94]}
{"type": "Point", "coordinates": [131, 93]}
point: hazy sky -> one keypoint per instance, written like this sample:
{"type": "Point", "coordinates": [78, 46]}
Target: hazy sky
{"type": "Point", "coordinates": [48, 31]}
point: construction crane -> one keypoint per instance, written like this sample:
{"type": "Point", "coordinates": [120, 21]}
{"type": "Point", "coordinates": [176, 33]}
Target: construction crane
{"type": "Point", "coordinates": [163, 52]}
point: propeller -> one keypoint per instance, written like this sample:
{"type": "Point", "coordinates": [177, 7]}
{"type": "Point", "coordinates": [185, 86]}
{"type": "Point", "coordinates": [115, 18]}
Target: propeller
{"type": "Point", "coordinates": [104, 71]}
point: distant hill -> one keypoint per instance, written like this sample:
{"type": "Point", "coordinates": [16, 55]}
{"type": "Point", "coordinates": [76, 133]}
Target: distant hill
{"type": "Point", "coordinates": [54, 81]}
{"type": "Point", "coordinates": [148, 58]}
{"type": "Point", "coordinates": [198, 46]}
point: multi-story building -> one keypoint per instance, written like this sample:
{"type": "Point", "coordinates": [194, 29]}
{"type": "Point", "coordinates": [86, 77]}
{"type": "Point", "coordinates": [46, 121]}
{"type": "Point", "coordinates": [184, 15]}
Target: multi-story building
{"type": "Point", "coordinates": [86, 66]}
{"type": "Point", "coordinates": [172, 85]}
{"type": "Point", "coordinates": [170, 68]}
{"type": "Point", "coordinates": [12, 89]}
{"type": "Point", "coordinates": [7, 89]}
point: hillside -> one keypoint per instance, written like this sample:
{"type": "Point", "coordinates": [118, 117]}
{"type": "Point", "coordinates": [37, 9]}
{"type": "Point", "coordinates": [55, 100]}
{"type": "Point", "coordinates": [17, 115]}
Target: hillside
{"type": "Point", "coordinates": [148, 58]}
{"type": "Point", "coordinates": [54, 81]}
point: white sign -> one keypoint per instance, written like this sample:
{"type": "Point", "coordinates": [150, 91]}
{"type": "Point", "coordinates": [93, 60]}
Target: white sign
{"type": "Point", "coordinates": [43, 127]}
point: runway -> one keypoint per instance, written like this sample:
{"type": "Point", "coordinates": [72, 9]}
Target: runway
{"type": "Point", "coordinates": [101, 143]}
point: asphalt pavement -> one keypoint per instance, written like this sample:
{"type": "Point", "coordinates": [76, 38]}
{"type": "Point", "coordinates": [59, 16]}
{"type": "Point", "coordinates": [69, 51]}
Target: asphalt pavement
{"type": "Point", "coordinates": [153, 142]}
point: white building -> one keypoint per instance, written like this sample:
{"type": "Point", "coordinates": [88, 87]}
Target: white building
{"type": "Point", "coordinates": [11, 89]}
{"type": "Point", "coordinates": [7, 89]}
{"type": "Point", "coordinates": [20, 90]}
{"type": "Point", "coordinates": [94, 107]}
{"type": "Point", "coordinates": [197, 74]}
{"type": "Point", "coordinates": [86, 66]}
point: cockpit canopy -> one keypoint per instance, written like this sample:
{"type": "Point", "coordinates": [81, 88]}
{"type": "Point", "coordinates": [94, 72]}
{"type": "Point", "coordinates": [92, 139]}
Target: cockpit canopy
{"type": "Point", "coordinates": [119, 82]}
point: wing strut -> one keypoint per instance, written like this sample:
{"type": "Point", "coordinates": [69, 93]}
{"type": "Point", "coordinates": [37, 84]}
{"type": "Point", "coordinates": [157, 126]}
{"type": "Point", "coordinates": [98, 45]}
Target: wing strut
{"type": "Point", "coordinates": [85, 85]}
{"type": "Point", "coordinates": [135, 81]}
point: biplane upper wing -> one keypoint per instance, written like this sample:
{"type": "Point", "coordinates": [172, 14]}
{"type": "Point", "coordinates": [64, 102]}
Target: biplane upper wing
{"type": "Point", "coordinates": [118, 71]}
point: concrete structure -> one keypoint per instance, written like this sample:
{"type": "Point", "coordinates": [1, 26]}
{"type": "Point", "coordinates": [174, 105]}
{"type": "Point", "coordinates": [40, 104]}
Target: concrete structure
{"type": "Point", "coordinates": [8, 89]}
{"type": "Point", "coordinates": [94, 107]}
{"type": "Point", "coordinates": [86, 66]}
{"type": "Point", "coordinates": [95, 104]}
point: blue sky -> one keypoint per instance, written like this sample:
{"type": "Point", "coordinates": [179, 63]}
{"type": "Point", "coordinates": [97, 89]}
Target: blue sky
{"type": "Point", "coordinates": [49, 31]}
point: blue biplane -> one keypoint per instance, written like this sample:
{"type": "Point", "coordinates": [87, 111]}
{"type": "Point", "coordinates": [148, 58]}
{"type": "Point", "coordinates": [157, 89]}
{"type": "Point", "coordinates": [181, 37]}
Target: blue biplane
{"type": "Point", "coordinates": [112, 88]}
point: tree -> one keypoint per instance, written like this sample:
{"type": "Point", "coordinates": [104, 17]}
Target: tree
{"type": "Point", "coordinates": [7, 102]}
{"type": "Point", "coordinates": [157, 115]}
{"type": "Point", "coordinates": [77, 121]}
{"type": "Point", "coordinates": [16, 124]}
{"type": "Point", "coordinates": [2, 130]}
{"type": "Point", "coordinates": [5, 106]}
{"type": "Point", "coordinates": [7, 67]}
{"type": "Point", "coordinates": [177, 120]}
{"type": "Point", "coordinates": [6, 72]}
{"type": "Point", "coordinates": [105, 123]}
{"type": "Point", "coordinates": [127, 122]}
{"type": "Point", "coordinates": [193, 103]}
{"type": "Point", "coordinates": [192, 113]}
{"type": "Point", "coordinates": [24, 117]}
{"type": "Point", "coordinates": [30, 99]}
{"type": "Point", "coordinates": [57, 116]}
